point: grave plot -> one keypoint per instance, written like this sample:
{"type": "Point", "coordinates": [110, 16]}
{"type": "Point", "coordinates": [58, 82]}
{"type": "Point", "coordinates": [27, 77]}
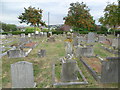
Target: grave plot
{"type": "Point", "coordinates": [30, 45]}
{"type": "Point", "coordinates": [67, 73]}
{"type": "Point", "coordinates": [93, 65]}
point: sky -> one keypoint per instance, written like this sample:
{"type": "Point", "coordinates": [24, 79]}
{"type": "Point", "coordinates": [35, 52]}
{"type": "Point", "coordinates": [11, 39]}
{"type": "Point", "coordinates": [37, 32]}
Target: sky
{"type": "Point", "coordinates": [58, 9]}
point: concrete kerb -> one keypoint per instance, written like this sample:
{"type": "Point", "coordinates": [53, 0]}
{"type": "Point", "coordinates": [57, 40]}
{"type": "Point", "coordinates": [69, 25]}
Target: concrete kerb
{"type": "Point", "coordinates": [92, 72]}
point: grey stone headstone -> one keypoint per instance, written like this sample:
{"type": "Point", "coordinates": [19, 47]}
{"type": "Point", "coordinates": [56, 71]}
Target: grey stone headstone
{"type": "Point", "coordinates": [22, 35]}
{"type": "Point", "coordinates": [109, 72]}
{"type": "Point", "coordinates": [51, 39]}
{"type": "Point", "coordinates": [68, 48]}
{"type": "Point", "coordinates": [101, 38]}
{"type": "Point", "coordinates": [91, 37]}
{"type": "Point", "coordinates": [22, 75]}
{"type": "Point", "coordinates": [75, 41]}
{"type": "Point", "coordinates": [69, 71]}
{"type": "Point", "coordinates": [115, 42]}
{"type": "Point", "coordinates": [42, 53]}
{"type": "Point", "coordinates": [15, 53]}
{"type": "Point", "coordinates": [84, 51]}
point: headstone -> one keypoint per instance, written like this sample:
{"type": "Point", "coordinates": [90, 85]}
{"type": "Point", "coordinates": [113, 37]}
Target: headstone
{"type": "Point", "coordinates": [91, 37]}
{"type": "Point", "coordinates": [115, 43]}
{"type": "Point", "coordinates": [69, 71]}
{"type": "Point", "coordinates": [29, 35]}
{"type": "Point", "coordinates": [23, 35]}
{"type": "Point", "coordinates": [22, 75]}
{"type": "Point", "coordinates": [109, 72]}
{"type": "Point", "coordinates": [101, 38]}
{"type": "Point", "coordinates": [84, 51]}
{"type": "Point", "coordinates": [51, 39]}
{"type": "Point", "coordinates": [36, 32]}
{"type": "Point", "coordinates": [42, 53]}
{"type": "Point", "coordinates": [16, 53]}
{"type": "Point", "coordinates": [75, 41]}
{"type": "Point", "coordinates": [68, 48]}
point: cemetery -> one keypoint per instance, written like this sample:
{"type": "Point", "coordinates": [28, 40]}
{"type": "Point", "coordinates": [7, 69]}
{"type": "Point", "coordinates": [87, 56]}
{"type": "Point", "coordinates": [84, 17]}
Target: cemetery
{"type": "Point", "coordinates": [58, 64]}
{"type": "Point", "coordinates": [79, 53]}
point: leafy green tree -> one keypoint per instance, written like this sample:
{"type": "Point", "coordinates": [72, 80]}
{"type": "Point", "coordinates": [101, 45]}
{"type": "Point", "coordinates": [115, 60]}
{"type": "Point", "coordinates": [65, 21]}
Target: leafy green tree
{"type": "Point", "coordinates": [111, 14]}
{"type": "Point", "coordinates": [8, 27]}
{"type": "Point", "coordinates": [79, 17]}
{"type": "Point", "coordinates": [32, 16]}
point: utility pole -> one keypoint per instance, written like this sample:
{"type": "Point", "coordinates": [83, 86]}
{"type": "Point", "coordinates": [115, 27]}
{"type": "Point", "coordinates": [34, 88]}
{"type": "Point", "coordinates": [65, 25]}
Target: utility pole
{"type": "Point", "coordinates": [48, 21]}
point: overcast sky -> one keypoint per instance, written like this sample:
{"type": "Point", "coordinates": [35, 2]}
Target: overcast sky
{"type": "Point", "coordinates": [11, 9]}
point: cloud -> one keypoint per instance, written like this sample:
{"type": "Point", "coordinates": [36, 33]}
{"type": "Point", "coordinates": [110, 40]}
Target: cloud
{"type": "Point", "coordinates": [11, 9]}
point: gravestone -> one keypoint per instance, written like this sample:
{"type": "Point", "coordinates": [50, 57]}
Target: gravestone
{"type": "Point", "coordinates": [23, 40]}
{"type": "Point", "coordinates": [51, 39]}
{"type": "Point", "coordinates": [75, 41]}
{"type": "Point", "coordinates": [109, 70]}
{"type": "Point", "coordinates": [29, 35]}
{"type": "Point", "coordinates": [42, 53]}
{"type": "Point", "coordinates": [22, 75]}
{"type": "Point", "coordinates": [69, 71]}
{"type": "Point", "coordinates": [115, 43]}
{"type": "Point", "coordinates": [101, 38]}
{"type": "Point", "coordinates": [91, 37]}
{"type": "Point", "coordinates": [84, 51]}
{"type": "Point", "coordinates": [68, 48]}
{"type": "Point", "coordinates": [16, 53]}
{"type": "Point", "coordinates": [22, 35]}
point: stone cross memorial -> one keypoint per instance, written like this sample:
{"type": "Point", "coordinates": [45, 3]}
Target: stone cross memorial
{"type": "Point", "coordinates": [22, 75]}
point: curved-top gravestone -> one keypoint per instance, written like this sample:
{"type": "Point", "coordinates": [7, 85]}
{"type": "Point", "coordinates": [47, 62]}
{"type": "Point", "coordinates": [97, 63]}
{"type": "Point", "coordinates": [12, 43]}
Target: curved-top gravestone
{"type": "Point", "coordinates": [69, 71]}
{"type": "Point", "coordinates": [91, 37]}
{"type": "Point", "coordinates": [22, 75]}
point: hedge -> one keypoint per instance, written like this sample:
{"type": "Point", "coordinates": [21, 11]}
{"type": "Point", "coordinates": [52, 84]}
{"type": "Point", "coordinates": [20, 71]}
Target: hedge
{"type": "Point", "coordinates": [55, 32]}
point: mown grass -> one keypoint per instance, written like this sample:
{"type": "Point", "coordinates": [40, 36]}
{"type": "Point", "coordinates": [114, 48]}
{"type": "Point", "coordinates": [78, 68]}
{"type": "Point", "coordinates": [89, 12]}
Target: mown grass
{"type": "Point", "coordinates": [43, 66]}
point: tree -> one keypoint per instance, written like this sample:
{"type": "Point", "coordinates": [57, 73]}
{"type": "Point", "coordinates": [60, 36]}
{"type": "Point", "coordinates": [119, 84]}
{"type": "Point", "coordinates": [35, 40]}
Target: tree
{"type": "Point", "coordinates": [32, 16]}
{"type": "Point", "coordinates": [8, 27]}
{"type": "Point", "coordinates": [79, 17]}
{"type": "Point", "coordinates": [111, 14]}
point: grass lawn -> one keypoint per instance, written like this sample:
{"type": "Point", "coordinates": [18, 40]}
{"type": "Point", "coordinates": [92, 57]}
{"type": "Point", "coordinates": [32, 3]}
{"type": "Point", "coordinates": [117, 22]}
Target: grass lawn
{"type": "Point", "coordinates": [43, 66]}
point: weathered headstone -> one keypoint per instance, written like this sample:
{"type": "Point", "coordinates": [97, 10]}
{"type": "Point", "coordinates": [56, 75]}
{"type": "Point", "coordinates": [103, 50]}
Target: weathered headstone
{"type": "Point", "coordinates": [91, 37]}
{"type": "Point", "coordinates": [22, 75]}
{"type": "Point", "coordinates": [42, 53]}
{"type": "Point", "coordinates": [84, 51]}
{"type": "Point", "coordinates": [115, 43]}
{"type": "Point", "coordinates": [101, 38]}
{"type": "Point", "coordinates": [51, 39]}
{"type": "Point", "coordinates": [23, 35]}
{"type": "Point", "coordinates": [68, 48]}
{"type": "Point", "coordinates": [69, 71]}
{"type": "Point", "coordinates": [109, 70]}
{"type": "Point", "coordinates": [29, 35]}
{"type": "Point", "coordinates": [16, 53]}
{"type": "Point", "coordinates": [75, 41]}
